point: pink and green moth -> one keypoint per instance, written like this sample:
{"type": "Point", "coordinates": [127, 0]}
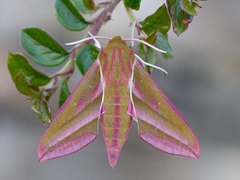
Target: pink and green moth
{"type": "Point", "coordinates": [116, 90]}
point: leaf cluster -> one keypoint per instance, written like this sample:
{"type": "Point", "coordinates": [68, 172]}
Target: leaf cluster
{"type": "Point", "coordinates": [42, 49]}
{"type": "Point", "coordinates": [154, 28]}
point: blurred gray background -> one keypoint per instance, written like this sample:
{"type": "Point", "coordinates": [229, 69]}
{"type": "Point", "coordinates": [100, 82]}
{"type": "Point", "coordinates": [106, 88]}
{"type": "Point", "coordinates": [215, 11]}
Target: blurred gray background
{"type": "Point", "coordinates": [203, 83]}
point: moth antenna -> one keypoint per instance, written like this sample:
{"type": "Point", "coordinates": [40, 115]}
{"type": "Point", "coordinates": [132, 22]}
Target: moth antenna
{"type": "Point", "coordinates": [97, 44]}
{"type": "Point", "coordinates": [87, 39]}
{"type": "Point", "coordinates": [132, 33]}
{"type": "Point", "coordinates": [124, 39]}
{"type": "Point", "coordinates": [144, 42]}
{"type": "Point", "coordinates": [151, 65]}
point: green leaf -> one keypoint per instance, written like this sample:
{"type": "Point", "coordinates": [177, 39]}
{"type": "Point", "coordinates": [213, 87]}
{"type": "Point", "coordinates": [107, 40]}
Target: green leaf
{"type": "Point", "coordinates": [22, 84]}
{"type": "Point", "coordinates": [180, 19]}
{"type": "Point", "coordinates": [158, 21]}
{"type": "Point", "coordinates": [86, 57]}
{"type": "Point", "coordinates": [69, 16]}
{"type": "Point", "coordinates": [79, 5]}
{"type": "Point", "coordinates": [42, 108]}
{"type": "Point", "coordinates": [64, 93]}
{"type": "Point", "coordinates": [150, 57]}
{"type": "Point", "coordinates": [189, 6]}
{"type": "Point", "coordinates": [134, 4]}
{"type": "Point", "coordinates": [162, 43]}
{"type": "Point", "coordinates": [42, 48]}
{"type": "Point", "coordinates": [152, 38]}
{"type": "Point", "coordinates": [84, 5]}
{"type": "Point", "coordinates": [89, 4]}
{"type": "Point", "coordinates": [18, 63]}
{"type": "Point", "coordinates": [141, 49]}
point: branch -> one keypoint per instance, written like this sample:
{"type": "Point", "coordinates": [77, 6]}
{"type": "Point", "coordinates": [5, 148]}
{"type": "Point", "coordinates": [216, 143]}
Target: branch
{"type": "Point", "coordinates": [103, 17]}
{"type": "Point", "coordinates": [96, 25]}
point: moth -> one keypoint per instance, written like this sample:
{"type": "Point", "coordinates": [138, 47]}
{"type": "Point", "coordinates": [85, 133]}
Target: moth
{"type": "Point", "coordinates": [116, 90]}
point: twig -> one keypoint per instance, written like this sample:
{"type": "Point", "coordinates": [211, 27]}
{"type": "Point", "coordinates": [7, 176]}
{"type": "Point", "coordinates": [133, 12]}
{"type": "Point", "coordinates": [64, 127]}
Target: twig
{"type": "Point", "coordinates": [103, 17]}
{"type": "Point", "coordinates": [97, 24]}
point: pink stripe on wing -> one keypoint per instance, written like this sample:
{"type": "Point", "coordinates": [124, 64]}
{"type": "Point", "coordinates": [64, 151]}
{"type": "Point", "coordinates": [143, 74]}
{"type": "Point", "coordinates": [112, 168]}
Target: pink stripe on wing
{"type": "Point", "coordinates": [195, 146]}
{"type": "Point", "coordinates": [117, 110]}
{"type": "Point", "coordinates": [69, 99]}
{"type": "Point", "coordinates": [117, 99]}
{"type": "Point", "coordinates": [116, 125]}
{"type": "Point", "coordinates": [105, 62]}
{"type": "Point", "coordinates": [128, 61]}
{"type": "Point", "coordinates": [121, 61]}
{"type": "Point", "coordinates": [114, 143]}
{"type": "Point", "coordinates": [66, 147]}
{"type": "Point", "coordinates": [84, 121]}
{"type": "Point", "coordinates": [167, 146]}
{"type": "Point", "coordinates": [112, 62]}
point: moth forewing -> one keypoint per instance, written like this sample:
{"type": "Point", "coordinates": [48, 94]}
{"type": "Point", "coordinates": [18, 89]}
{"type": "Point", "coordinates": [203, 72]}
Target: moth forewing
{"type": "Point", "coordinates": [115, 90]}
{"type": "Point", "coordinates": [160, 124]}
{"type": "Point", "coordinates": [75, 123]}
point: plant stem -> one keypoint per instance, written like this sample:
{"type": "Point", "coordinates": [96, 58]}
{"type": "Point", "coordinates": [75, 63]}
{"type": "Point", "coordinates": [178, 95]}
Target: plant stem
{"type": "Point", "coordinates": [103, 17]}
{"type": "Point", "coordinates": [132, 20]}
{"type": "Point", "coordinates": [130, 15]}
{"type": "Point", "coordinates": [94, 28]}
